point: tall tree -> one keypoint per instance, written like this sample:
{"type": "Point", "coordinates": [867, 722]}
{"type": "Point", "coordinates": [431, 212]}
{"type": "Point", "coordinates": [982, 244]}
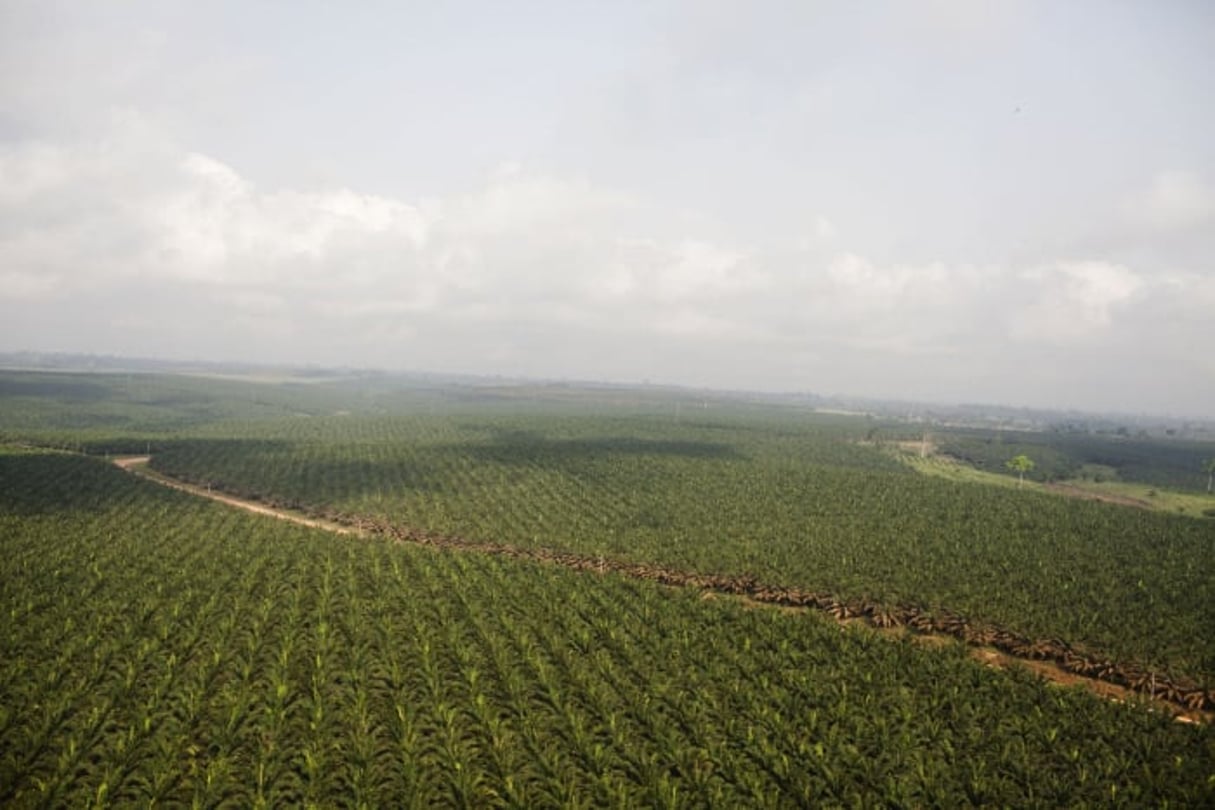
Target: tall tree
{"type": "Point", "coordinates": [1021, 464]}
{"type": "Point", "coordinates": [1209, 469]}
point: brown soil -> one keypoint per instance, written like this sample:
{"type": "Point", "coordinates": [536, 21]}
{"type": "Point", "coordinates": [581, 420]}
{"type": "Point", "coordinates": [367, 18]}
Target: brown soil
{"type": "Point", "coordinates": [1185, 703]}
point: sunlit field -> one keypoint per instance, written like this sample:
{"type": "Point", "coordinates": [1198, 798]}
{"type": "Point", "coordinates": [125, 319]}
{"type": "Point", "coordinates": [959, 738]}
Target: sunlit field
{"type": "Point", "coordinates": [164, 648]}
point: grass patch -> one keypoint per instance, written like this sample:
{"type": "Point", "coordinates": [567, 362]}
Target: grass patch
{"type": "Point", "coordinates": [1095, 481]}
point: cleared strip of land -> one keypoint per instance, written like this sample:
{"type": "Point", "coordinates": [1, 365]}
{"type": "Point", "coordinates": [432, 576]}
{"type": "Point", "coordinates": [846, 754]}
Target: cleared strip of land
{"type": "Point", "coordinates": [139, 465]}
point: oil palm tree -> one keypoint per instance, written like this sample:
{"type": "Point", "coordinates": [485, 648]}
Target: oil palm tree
{"type": "Point", "coordinates": [1021, 464]}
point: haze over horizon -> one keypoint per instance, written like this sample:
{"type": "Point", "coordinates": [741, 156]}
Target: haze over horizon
{"type": "Point", "coordinates": [936, 201]}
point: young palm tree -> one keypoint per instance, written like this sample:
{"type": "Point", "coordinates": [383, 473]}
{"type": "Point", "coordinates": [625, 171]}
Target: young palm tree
{"type": "Point", "coordinates": [1022, 464]}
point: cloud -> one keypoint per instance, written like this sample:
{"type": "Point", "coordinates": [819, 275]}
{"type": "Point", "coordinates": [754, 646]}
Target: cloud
{"type": "Point", "coordinates": [682, 270]}
{"type": "Point", "coordinates": [133, 242]}
{"type": "Point", "coordinates": [25, 285]}
{"type": "Point", "coordinates": [872, 288]}
{"type": "Point", "coordinates": [1175, 201]}
{"type": "Point", "coordinates": [216, 226]}
{"type": "Point", "coordinates": [1073, 301]}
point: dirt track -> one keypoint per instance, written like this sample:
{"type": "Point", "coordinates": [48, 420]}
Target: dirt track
{"type": "Point", "coordinates": [139, 466]}
{"type": "Point", "coordinates": [743, 588]}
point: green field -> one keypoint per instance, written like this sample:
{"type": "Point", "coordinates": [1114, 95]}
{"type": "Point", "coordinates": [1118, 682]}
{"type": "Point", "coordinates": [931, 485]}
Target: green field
{"type": "Point", "coordinates": [160, 648]}
{"type": "Point", "coordinates": [1097, 482]}
{"type": "Point", "coordinates": [784, 498]}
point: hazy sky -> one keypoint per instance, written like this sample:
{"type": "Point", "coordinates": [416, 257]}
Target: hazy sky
{"type": "Point", "coordinates": [1004, 202]}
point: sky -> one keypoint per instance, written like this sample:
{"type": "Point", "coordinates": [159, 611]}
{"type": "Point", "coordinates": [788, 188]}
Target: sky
{"type": "Point", "coordinates": [936, 200]}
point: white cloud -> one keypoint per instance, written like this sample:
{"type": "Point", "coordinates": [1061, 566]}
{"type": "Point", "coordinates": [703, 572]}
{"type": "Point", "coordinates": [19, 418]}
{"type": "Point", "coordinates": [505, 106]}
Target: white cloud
{"type": "Point", "coordinates": [1174, 201]}
{"type": "Point", "coordinates": [1073, 301]}
{"type": "Point", "coordinates": [869, 286]}
{"type": "Point", "coordinates": [674, 270]}
{"type": "Point", "coordinates": [532, 274]}
{"type": "Point", "coordinates": [823, 230]}
{"type": "Point", "coordinates": [216, 226]}
{"type": "Point", "coordinates": [19, 285]}
{"type": "Point", "coordinates": [29, 170]}
{"type": "Point", "coordinates": [700, 268]}
{"type": "Point", "coordinates": [515, 200]}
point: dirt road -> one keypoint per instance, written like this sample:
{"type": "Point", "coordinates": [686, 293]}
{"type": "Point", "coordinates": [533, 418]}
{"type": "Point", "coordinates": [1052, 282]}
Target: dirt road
{"type": "Point", "coordinates": [139, 466]}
